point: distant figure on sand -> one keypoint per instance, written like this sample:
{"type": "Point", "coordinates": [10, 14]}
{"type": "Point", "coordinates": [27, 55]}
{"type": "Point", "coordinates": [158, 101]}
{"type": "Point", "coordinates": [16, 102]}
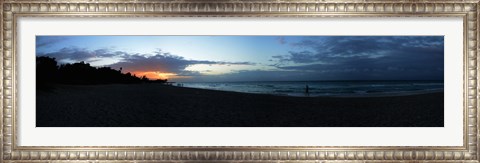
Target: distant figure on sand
{"type": "Point", "coordinates": [307, 90]}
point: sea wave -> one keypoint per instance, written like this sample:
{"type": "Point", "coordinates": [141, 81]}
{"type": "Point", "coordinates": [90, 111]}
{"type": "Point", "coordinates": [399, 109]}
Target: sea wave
{"type": "Point", "coordinates": [342, 88]}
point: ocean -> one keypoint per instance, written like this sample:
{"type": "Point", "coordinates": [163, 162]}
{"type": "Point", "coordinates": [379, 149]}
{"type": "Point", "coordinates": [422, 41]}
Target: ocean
{"type": "Point", "coordinates": [324, 88]}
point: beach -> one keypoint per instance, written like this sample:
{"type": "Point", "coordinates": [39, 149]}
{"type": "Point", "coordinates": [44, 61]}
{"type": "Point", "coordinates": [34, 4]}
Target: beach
{"type": "Point", "coordinates": [158, 105]}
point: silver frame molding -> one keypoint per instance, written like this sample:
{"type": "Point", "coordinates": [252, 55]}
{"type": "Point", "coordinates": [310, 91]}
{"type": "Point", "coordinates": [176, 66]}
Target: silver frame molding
{"type": "Point", "coordinates": [11, 10]}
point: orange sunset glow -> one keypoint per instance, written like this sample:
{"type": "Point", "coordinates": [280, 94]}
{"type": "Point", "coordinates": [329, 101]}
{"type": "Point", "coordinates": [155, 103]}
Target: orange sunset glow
{"type": "Point", "coordinates": [158, 75]}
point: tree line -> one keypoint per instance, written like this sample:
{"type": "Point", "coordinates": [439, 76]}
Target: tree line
{"type": "Point", "coordinates": [49, 72]}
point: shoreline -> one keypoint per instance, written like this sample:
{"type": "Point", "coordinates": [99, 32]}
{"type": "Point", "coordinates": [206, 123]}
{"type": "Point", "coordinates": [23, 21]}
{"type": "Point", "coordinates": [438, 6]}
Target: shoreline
{"type": "Point", "coordinates": [389, 94]}
{"type": "Point", "coordinates": [376, 94]}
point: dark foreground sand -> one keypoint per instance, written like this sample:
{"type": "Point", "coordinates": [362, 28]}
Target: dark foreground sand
{"type": "Point", "coordinates": [156, 105]}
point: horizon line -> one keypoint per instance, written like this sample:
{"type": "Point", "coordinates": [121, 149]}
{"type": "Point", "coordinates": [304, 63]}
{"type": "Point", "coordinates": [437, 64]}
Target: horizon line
{"type": "Point", "coordinates": [305, 81]}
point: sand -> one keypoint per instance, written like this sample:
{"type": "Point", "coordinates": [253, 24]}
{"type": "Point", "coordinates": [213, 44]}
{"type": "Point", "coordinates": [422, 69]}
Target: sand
{"type": "Point", "coordinates": [157, 105]}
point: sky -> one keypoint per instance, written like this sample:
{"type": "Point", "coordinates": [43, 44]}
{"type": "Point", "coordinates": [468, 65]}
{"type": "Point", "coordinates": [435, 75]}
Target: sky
{"type": "Point", "coordinates": [255, 58]}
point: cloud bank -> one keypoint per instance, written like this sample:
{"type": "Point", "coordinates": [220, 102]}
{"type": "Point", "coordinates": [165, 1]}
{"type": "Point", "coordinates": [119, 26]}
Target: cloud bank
{"type": "Point", "coordinates": [367, 58]}
{"type": "Point", "coordinates": [158, 61]}
{"type": "Point", "coordinates": [309, 58]}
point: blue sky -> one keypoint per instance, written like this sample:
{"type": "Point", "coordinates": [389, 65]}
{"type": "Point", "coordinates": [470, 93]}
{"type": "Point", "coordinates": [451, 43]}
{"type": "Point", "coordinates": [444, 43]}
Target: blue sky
{"type": "Point", "coordinates": [256, 58]}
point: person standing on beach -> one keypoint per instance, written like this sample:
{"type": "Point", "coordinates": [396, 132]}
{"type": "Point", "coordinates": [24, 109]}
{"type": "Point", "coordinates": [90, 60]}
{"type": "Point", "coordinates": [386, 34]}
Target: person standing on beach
{"type": "Point", "coordinates": [307, 90]}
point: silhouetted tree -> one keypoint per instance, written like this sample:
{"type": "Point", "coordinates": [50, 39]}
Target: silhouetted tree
{"type": "Point", "coordinates": [46, 71]}
{"type": "Point", "coordinates": [145, 79]}
{"type": "Point", "coordinates": [83, 73]}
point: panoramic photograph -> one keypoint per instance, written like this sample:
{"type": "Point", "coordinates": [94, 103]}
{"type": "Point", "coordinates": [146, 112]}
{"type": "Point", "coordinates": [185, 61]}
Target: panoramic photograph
{"type": "Point", "coordinates": [239, 81]}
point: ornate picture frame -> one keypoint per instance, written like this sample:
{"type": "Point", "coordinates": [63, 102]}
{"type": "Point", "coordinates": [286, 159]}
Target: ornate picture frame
{"type": "Point", "coordinates": [13, 9]}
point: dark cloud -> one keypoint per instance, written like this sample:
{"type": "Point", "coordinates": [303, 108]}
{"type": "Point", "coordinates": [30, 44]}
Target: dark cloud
{"type": "Point", "coordinates": [157, 61]}
{"type": "Point", "coordinates": [368, 46]}
{"type": "Point", "coordinates": [79, 54]}
{"type": "Point", "coordinates": [369, 58]}
{"type": "Point", "coordinates": [165, 62]}
{"type": "Point", "coordinates": [301, 57]}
